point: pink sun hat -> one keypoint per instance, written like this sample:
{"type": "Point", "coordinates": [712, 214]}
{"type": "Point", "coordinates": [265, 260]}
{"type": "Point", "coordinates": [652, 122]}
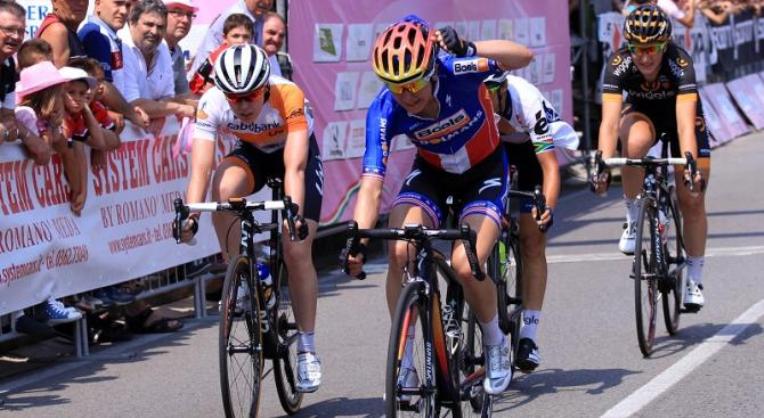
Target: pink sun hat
{"type": "Point", "coordinates": [189, 4]}
{"type": "Point", "coordinates": [38, 77]}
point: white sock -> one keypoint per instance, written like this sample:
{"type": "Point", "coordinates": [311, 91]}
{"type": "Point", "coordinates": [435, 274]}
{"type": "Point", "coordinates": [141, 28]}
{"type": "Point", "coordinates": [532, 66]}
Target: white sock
{"type": "Point", "coordinates": [306, 342]}
{"type": "Point", "coordinates": [632, 209]}
{"type": "Point", "coordinates": [492, 334]}
{"type": "Point", "coordinates": [530, 324]}
{"type": "Point", "coordinates": [695, 268]}
{"type": "Point", "coordinates": [408, 351]}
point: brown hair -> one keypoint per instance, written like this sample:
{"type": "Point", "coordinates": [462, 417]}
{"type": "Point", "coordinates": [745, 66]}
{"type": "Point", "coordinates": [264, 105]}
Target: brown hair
{"type": "Point", "coordinates": [236, 20]}
{"type": "Point", "coordinates": [90, 65]}
{"type": "Point", "coordinates": [44, 103]}
{"type": "Point", "coordinates": [30, 52]}
{"type": "Point", "coordinates": [13, 8]}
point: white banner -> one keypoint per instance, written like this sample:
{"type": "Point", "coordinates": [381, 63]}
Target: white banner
{"type": "Point", "coordinates": [124, 230]}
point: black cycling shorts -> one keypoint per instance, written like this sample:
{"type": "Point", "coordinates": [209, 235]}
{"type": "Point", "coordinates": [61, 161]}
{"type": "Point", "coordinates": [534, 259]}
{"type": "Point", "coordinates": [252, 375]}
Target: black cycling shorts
{"type": "Point", "coordinates": [261, 165]}
{"type": "Point", "coordinates": [666, 128]}
{"type": "Point", "coordinates": [529, 174]}
{"type": "Point", "coordinates": [480, 190]}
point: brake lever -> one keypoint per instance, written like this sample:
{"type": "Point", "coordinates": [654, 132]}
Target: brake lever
{"type": "Point", "coordinates": [181, 214]}
{"type": "Point", "coordinates": [539, 201]}
{"type": "Point", "coordinates": [468, 238]}
{"type": "Point", "coordinates": [352, 248]}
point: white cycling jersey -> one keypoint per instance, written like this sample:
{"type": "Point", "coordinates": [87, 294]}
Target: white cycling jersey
{"type": "Point", "coordinates": [529, 112]}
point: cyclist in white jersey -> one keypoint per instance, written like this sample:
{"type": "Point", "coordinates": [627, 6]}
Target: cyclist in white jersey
{"type": "Point", "coordinates": [531, 130]}
{"type": "Point", "coordinates": [271, 121]}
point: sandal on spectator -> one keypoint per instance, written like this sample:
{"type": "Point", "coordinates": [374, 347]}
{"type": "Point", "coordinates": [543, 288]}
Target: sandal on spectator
{"type": "Point", "coordinates": [140, 324]}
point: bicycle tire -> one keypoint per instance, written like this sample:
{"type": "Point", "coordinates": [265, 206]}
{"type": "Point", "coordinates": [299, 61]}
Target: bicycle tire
{"type": "Point", "coordinates": [473, 355]}
{"type": "Point", "coordinates": [673, 291]}
{"type": "Point", "coordinates": [409, 308]}
{"type": "Point", "coordinates": [285, 362]}
{"type": "Point", "coordinates": [645, 275]}
{"type": "Point", "coordinates": [240, 269]}
{"type": "Point", "coordinates": [505, 266]}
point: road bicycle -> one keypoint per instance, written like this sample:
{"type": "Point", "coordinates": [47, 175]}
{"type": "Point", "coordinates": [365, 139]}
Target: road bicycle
{"type": "Point", "coordinates": [253, 329]}
{"type": "Point", "coordinates": [450, 361]}
{"type": "Point", "coordinates": [659, 252]}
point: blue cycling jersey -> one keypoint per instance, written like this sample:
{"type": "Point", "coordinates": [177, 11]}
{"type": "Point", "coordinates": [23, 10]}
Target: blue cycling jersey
{"type": "Point", "coordinates": [461, 136]}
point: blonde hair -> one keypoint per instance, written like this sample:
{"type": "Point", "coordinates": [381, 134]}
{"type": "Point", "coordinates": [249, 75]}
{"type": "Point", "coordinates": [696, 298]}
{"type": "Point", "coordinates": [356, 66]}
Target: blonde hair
{"type": "Point", "coordinates": [45, 104]}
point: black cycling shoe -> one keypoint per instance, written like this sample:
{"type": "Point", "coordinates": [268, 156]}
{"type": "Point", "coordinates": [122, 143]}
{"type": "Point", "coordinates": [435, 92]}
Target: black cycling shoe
{"type": "Point", "coordinates": [528, 357]}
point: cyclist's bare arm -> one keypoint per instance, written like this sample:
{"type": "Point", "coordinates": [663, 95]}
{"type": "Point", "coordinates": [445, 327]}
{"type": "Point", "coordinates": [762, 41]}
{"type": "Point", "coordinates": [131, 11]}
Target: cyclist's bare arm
{"type": "Point", "coordinates": [508, 54]}
{"type": "Point", "coordinates": [295, 161]}
{"type": "Point", "coordinates": [611, 117]}
{"type": "Point", "coordinates": [686, 105]}
{"type": "Point", "coordinates": [365, 214]}
{"type": "Point", "coordinates": [551, 171]}
{"type": "Point", "coordinates": [202, 164]}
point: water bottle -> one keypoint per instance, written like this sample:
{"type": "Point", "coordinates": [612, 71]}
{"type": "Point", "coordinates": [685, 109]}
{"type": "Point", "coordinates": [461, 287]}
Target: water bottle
{"type": "Point", "coordinates": [266, 284]}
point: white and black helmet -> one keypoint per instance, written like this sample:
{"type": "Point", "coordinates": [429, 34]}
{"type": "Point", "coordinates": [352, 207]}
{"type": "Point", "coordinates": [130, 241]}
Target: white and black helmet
{"type": "Point", "coordinates": [242, 69]}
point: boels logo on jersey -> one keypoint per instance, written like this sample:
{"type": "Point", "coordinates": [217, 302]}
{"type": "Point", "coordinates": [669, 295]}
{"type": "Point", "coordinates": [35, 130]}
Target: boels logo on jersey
{"type": "Point", "coordinates": [436, 132]}
{"type": "Point", "coordinates": [470, 66]}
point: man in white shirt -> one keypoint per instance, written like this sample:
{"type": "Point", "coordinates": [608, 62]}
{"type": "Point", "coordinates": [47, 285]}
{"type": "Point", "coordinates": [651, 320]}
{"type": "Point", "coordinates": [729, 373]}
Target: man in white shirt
{"type": "Point", "coordinates": [149, 80]}
{"type": "Point", "coordinates": [254, 9]}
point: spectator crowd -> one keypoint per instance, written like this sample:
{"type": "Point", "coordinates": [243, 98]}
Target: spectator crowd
{"type": "Point", "coordinates": [716, 11]}
{"type": "Point", "coordinates": [70, 89]}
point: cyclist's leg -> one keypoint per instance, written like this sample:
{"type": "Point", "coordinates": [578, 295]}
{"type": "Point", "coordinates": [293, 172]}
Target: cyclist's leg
{"type": "Point", "coordinates": [693, 209]}
{"type": "Point", "coordinates": [637, 133]}
{"type": "Point", "coordinates": [234, 177]}
{"type": "Point", "coordinates": [416, 203]}
{"type": "Point", "coordinates": [298, 255]}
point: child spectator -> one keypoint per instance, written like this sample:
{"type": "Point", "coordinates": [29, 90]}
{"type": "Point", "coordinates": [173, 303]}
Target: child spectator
{"type": "Point", "coordinates": [80, 127]}
{"type": "Point", "coordinates": [110, 128]}
{"type": "Point", "coordinates": [40, 93]}
{"type": "Point", "coordinates": [237, 30]}
{"type": "Point", "coordinates": [33, 51]}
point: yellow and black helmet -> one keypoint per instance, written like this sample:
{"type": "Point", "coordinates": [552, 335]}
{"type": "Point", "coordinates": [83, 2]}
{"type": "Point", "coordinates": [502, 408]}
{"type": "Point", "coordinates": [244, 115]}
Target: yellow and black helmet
{"type": "Point", "coordinates": [647, 24]}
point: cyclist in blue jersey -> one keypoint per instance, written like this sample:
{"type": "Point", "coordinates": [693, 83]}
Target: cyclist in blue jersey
{"type": "Point", "coordinates": [439, 103]}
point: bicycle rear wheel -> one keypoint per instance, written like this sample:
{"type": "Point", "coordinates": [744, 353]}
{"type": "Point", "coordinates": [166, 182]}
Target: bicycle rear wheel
{"type": "Point", "coordinates": [240, 342]}
{"type": "Point", "coordinates": [673, 288]}
{"type": "Point", "coordinates": [285, 362]}
{"type": "Point", "coordinates": [415, 397]}
{"type": "Point", "coordinates": [473, 368]}
{"type": "Point", "coordinates": [645, 274]}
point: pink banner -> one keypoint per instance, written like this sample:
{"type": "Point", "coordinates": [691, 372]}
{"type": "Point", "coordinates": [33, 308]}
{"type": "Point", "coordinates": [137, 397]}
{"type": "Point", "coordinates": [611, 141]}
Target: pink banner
{"type": "Point", "coordinates": [717, 94]}
{"type": "Point", "coordinates": [330, 43]}
{"type": "Point", "coordinates": [744, 91]}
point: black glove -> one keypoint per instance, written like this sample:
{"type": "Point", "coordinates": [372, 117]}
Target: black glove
{"type": "Point", "coordinates": [457, 46]}
{"type": "Point", "coordinates": [302, 231]}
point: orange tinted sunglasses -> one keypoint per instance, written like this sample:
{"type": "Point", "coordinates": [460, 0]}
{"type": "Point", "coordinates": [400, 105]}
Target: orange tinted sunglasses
{"type": "Point", "coordinates": [412, 87]}
{"type": "Point", "coordinates": [249, 97]}
{"type": "Point", "coordinates": [650, 49]}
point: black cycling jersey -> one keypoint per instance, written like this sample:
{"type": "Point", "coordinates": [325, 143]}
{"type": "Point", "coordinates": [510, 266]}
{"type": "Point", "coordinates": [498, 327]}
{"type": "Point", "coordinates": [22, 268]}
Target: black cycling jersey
{"type": "Point", "coordinates": [676, 77]}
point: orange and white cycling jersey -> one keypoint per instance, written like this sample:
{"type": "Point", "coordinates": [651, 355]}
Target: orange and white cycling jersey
{"type": "Point", "coordinates": [285, 111]}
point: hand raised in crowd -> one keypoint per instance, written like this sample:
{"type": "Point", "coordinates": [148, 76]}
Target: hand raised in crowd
{"type": "Point", "coordinates": [77, 201]}
{"type": "Point", "coordinates": [97, 159]}
{"type": "Point", "coordinates": [119, 121]}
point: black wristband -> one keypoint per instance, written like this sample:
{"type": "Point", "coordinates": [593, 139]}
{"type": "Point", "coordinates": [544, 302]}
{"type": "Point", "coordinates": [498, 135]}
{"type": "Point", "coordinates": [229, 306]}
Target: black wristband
{"type": "Point", "coordinates": [471, 50]}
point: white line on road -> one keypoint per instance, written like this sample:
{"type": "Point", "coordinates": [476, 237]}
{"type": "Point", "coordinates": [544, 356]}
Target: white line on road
{"type": "Point", "coordinates": [663, 382]}
{"type": "Point", "coordinates": [711, 252]}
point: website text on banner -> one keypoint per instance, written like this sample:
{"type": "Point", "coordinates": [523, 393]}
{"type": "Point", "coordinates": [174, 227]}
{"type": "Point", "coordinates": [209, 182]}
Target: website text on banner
{"type": "Point", "coordinates": [330, 43]}
{"type": "Point", "coordinates": [123, 232]}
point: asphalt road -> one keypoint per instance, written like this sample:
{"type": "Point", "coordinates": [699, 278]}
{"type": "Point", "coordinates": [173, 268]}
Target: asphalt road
{"type": "Point", "coordinates": [591, 362]}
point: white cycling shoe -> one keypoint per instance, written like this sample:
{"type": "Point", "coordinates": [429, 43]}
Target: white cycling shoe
{"type": "Point", "coordinates": [693, 296]}
{"type": "Point", "coordinates": [308, 372]}
{"type": "Point", "coordinates": [628, 238]}
{"type": "Point", "coordinates": [498, 371]}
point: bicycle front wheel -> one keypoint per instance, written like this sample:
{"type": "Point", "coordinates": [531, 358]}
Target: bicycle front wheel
{"type": "Point", "coordinates": [240, 342]}
{"type": "Point", "coordinates": [504, 266]}
{"type": "Point", "coordinates": [407, 390]}
{"type": "Point", "coordinates": [673, 289]}
{"type": "Point", "coordinates": [645, 274]}
{"type": "Point", "coordinates": [285, 362]}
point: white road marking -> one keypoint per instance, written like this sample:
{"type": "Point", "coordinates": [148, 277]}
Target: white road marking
{"type": "Point", "coordinates": [663, 382]}
{"type": "Point", "coordinates": [711, 252]}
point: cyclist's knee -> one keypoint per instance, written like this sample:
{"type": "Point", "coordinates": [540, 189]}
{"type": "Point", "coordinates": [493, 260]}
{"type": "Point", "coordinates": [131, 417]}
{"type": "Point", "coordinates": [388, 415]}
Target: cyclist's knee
{"type": "Point", "coordinates": [295, 254]}
{"type": "Point", "coordinates": [399, 254]}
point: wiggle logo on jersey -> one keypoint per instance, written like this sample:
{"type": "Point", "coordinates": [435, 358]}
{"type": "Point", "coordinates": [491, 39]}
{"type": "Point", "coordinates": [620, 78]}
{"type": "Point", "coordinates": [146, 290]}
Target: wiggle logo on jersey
{"type": "Point", "coordinates": [435, 133]}
{"type": "Point", "coordinates": [622, 66]}
{"type": "Point", "coordinates": [471, 66]}
{"type": "Point", "coordinates": [676, 68]}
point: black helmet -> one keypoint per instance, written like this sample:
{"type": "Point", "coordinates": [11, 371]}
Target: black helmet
{"type": "Point", "coordinates": [647, 24]}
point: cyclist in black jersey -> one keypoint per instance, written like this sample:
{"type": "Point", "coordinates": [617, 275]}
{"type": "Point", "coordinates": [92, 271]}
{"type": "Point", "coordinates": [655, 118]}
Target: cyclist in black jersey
{"type": "Point", "coordinates": [661, 102]}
